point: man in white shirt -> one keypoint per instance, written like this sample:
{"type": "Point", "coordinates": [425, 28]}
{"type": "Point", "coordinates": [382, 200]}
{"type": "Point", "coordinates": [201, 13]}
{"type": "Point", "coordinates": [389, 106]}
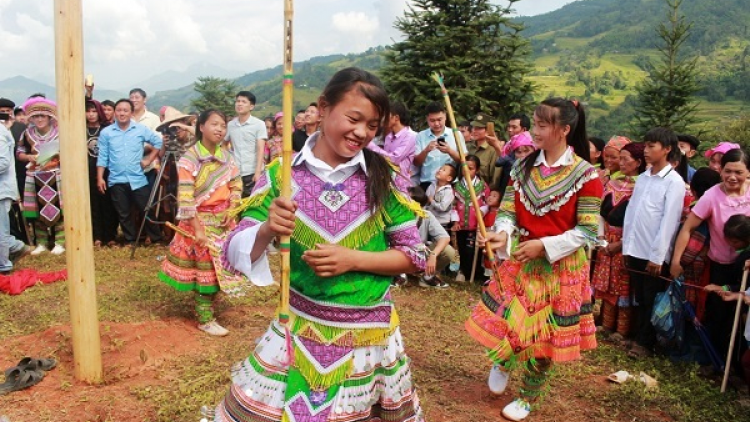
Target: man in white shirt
{"type": "Point", "coordinates": [247, 136]}
{"type": "Point", "coordinates": [140, 112]}
{"type": "Point", "coordinates": [435, 146]}
{"type": "Point", "coordinates": [651, 221]}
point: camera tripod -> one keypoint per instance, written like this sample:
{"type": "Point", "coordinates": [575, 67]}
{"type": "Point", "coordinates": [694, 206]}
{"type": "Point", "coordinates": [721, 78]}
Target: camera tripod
{"type": "Point", "coordinates": [170, 156]}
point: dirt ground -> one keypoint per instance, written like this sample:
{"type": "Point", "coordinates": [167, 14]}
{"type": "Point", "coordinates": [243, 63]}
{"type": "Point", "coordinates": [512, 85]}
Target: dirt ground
{"type": "Point", "coordinates": [142, 356]}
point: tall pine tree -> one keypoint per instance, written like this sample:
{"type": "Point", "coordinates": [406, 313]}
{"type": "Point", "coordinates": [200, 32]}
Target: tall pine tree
{"type": "Point", "coordinates": [215, 93]}
{"type": "Point", "coordinates": [666, 97]}
{"type": "Point", "coordinates": [474, 44]}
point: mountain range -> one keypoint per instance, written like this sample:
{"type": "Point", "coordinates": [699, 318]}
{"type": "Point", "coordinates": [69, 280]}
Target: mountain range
{"type": "Point", "coordinates": [597, 50]}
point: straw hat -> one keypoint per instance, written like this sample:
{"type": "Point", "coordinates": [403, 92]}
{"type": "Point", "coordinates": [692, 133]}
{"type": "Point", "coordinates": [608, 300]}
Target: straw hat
{"type": "Point", "coordinates": [35, 106]}
{"type": "Point", "coordinates": [172, 115]}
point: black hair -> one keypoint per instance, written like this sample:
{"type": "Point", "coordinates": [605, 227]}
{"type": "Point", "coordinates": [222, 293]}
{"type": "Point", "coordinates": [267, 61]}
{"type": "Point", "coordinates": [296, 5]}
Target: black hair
{"type": "Point", "coordinates": [379, 180]}
{"type": "Point", "coordinates": [301, 111]}
{"type": "Point", "coordinates": [474, 159]}
{"type": "Point", "coordinates": [108, 103]}
{"type": "Point", "coordinates": [682, 166]}
{"type": "Point", "coordinates": [667, 138]}
{"type": "Point", "coordinates": [454, 171]}
{"type": "Point", "coordinates": [17, 111]}
{"type": "Point", "coordinates": [636, 151]}
{"type": "Point", "coordinates": [399, 109]}
{"type": "Point", "coordinates": [247, 94]}
{"type": "Point", "coordinates": [125, 100]}
{"type": "Point", "coordinates": [689, 139]}
{"type": "Point", "coordinates": [562, 112]}
{"type": "Point", "coordinates": [313, 104]}
{"type": "Point", "coordinates": [599, 144]}
{"type": "Point", "coordinates": [736, 155]}
{"type": "Point", "coordinates": [434, 107]}
{"type": "Point", "coordinates": [523, 120]}
{"type": "Point", "coordinates": [703, 179]}
{"type": "Point", "coordinates": [738, 227]}
{"type": "Point", "coordinates": [418, 195]}
{"type": "Point", "coordinates": [138, 91]}
{"type": "Point", "coordinates": [464, 123]}
{"type": "Point", "coordinates": [38, 95]}
{"type": "Point", "coordinates": [203, 118]}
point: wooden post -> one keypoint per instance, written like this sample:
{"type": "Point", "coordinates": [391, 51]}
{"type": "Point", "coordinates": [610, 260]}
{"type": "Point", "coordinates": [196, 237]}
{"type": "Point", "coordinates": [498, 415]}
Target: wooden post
{"type": "Point", "coordinates": [740, 301]}
{"type": "Point", "coordinates": [286, 157]}
{"type": "Point", "coordinates": [79, 245]}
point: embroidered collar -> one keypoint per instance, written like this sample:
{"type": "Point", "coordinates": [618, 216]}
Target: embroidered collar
{"type": "Point", "coordinates": [565, 160]}
{"type": "Point", "coordinates": [205, 155]}
{"type": "Point", "coordinates": [306, 155]}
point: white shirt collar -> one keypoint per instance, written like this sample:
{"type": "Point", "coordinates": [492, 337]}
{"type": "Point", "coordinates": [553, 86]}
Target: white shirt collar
{"type": "Point", "coordinates": [662, 173]}
{"type": "Point", "coordinates": [565, 160]}
{"type": "Point", "coordinates": [306, 155]}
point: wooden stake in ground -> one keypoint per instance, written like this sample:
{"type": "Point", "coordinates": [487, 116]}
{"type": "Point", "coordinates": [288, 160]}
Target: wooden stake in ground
{"type": "Point", "coordinates": [87, 355]}
{"type": "Point", "coordinates": [286, 156]}
{"type": "Point", "coordinates": [728, 364]}
{"type": "Point", "coordinates": [465, 171]}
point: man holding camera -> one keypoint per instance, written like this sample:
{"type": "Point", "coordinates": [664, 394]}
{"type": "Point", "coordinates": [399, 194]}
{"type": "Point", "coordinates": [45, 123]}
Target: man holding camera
{"type": "Point", "coordinates": [435, 146]}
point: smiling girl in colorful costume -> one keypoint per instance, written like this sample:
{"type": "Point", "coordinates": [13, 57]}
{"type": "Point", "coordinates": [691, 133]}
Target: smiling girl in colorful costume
{"type": "Point", "coordinates": [352, 230]}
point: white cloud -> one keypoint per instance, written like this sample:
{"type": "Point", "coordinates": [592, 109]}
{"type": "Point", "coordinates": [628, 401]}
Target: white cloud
{"type": "Point", "coordinates": [355, 22]}
{"type": "Point", "coordinates": [128, 41]}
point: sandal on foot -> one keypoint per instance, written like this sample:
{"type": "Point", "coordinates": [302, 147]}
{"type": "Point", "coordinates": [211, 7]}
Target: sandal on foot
{"type": "Point", "coordinates": [18, 379]}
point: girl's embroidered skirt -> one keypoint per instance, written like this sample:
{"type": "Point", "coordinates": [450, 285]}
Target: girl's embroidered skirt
{"type": "Point", "coordinates": [611, 281]}
{"type": "Point", "coordinates": [536, 310]}
{"type": "Point", "coordinates": [346, 363]}
{"type": "Point", "coordinates": [189, 267]}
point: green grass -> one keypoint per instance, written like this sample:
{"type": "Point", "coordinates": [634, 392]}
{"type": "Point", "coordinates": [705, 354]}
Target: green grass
{"type": "Point", "coordinates": [449, 368]}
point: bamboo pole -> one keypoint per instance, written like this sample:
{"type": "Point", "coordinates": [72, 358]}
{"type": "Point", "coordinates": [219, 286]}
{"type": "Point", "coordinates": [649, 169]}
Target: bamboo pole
{"type": "Point", "coordinates": [286, 160]}
{"type": "Point", "coordinates": [87, 356]}
{"type": "Point", "coordinates": [465, 170]}
{"type": "Point", "coordinates": [728, 363]}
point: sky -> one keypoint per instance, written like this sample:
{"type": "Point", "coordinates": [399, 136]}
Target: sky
{"type": "Point", "coordinates": [128, 41]}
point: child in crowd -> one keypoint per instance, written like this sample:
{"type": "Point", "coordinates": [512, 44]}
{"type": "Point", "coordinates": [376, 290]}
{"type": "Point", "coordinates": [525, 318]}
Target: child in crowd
{"type": "Point", "coordinates": [519, 146]}
{"type": "Point", "coordinates": [715, 154]}
{"type": "Point", "coordinates": [689, 147]}
{"type": "Point", "coordinates": [650, 225]}
{"type": "Point", "coordinates": [492, 207]}
{"type": "Point", "coordinates": [275, 144]}
{"type": "Point", "coordinates": [440, 195]}
{"type": "Point", "coordinates": [539, 310]}
{"type": "Point", "coordinates": [210, 186]}
{"type": "Point", "coordinates": [737, 233]}
{"type": "Point", "coordinates": [436, 238]}
{"type": "Point", "coordinates": [465, 216]}
{"type": "Point", "coordinates": [341, 355]}
{"type": "Point", "coordinates": [694, 259]}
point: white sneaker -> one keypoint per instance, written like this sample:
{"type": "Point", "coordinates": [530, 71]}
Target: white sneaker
{"type": "Point", "coordinates": [40, 249]}
{"type": "Point", "coordinates": [213, 328]}
{"type": "Point", "coordinates": [498, 380]}
{"type": "Point", "coordinates": [58, 250]}
{"type": "Point", "coordinates": [460, 278]}
{"type": "Point", "coordinates": [517, 410]}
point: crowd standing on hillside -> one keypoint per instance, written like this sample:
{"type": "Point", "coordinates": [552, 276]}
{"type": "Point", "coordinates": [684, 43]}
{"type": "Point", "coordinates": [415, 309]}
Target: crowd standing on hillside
{"type": "Point", "coordinates": [587, 233]}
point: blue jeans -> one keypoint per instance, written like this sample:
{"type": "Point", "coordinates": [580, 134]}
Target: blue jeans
{"type": "Point", "coordinates": [8, 243]}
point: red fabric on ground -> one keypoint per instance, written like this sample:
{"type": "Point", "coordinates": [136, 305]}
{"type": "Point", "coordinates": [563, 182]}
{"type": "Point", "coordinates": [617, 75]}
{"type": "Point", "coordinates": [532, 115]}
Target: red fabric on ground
{"type": "Point", "coordinates": [18, 281]}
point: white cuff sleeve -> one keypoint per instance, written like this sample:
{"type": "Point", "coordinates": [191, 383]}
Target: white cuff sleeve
{"type": "Point", "coordinates": [562, 245]}
{"type": "Point", "coordinates": [238, 255]}
{"type": "Point", "coordinates": [499, 227]}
